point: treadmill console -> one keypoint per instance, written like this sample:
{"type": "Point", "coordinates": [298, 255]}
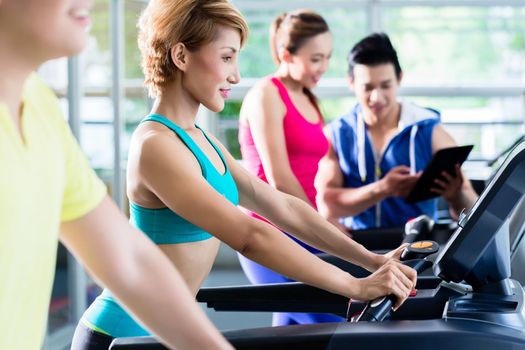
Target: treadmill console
{"type": "Point", "coordinates": [479, 250]}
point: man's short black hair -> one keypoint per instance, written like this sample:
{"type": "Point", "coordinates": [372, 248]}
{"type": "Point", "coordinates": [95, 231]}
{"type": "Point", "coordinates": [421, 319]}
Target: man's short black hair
{"type": "Point", "coordinates": [373, 50]}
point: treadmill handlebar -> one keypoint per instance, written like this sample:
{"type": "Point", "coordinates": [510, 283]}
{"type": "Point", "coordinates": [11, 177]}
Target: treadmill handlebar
{"type": "Point", "coordinates": [414, 256]}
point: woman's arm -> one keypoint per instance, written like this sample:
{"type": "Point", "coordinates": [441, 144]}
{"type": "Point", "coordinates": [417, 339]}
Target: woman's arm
{"type": "Point", "coordinates": [264, 111]}
{"type": "Point", "coordinates": [299, 219]}
{"type": "Point", "coordinates": [141, 277]}
{"type": "Point", "coordinates": [302, 221]}
{"type": "Point", "coordinates": [182, 188]}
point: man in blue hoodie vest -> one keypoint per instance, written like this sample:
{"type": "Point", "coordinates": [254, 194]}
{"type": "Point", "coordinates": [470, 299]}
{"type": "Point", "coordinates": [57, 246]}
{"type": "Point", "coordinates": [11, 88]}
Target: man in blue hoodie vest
{"type": "Point", "coordinates": [379, 149]}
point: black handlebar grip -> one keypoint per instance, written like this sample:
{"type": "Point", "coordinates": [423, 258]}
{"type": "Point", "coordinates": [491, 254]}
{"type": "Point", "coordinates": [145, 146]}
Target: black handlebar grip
{"type": "Point", "coordinates": [379, 309]}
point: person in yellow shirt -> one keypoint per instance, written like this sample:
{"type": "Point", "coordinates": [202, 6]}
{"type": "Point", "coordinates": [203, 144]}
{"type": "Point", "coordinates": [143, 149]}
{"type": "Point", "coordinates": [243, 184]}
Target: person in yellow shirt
{"type": "Point", "coordinates": [49, 192]}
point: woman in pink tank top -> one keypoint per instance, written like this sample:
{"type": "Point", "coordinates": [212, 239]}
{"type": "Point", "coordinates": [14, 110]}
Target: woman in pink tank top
{"type": "Point", "coordinates": [281, 126]}
{"type": "Point", "coordinates": [292, 148]}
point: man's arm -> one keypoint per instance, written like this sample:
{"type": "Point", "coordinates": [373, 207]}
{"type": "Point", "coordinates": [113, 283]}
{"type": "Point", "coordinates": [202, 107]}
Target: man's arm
{"type": "Point", "coordinates": [141, 277]}
{"type": "Point", "coordinates": [336, 201]}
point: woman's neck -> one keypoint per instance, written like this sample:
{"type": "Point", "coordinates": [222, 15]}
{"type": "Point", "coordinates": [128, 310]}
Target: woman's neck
{"type": "Point", "coordinates": [283, 74]}
{"type": "Point", "coordinates": [178, 106]}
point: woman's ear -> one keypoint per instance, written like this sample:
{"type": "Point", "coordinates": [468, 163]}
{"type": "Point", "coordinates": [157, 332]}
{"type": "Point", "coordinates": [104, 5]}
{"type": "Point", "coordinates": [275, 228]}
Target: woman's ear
{"type": "Point", "coordinates": [285, 55]}
{"type": "Point", "coordinates": [178, 56]}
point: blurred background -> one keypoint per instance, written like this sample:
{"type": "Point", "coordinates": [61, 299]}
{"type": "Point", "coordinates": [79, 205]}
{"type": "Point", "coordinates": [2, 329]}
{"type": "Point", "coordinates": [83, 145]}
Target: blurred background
{"type": "Point", "coordinates": [465, 58]}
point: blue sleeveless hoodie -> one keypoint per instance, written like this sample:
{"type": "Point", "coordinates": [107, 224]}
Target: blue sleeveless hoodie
{"type": "Point", "coordinates": [411, 146]}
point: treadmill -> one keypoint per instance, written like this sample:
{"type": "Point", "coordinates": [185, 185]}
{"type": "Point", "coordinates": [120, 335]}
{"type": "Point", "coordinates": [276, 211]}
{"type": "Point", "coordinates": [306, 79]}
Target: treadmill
{"type": "Point", "coordinates": [477, 304]}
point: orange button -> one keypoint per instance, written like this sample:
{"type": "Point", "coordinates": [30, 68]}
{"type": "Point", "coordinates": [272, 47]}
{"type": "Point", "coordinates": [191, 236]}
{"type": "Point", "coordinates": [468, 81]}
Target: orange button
{"type": "Point", "coordinates": [422, 244]}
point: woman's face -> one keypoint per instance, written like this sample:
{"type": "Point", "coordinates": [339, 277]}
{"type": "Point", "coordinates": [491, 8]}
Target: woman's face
{"type": "Point", "coordinates": [46, 29]}
{"type": "Point", "coordinates": [213, 69]}
{"type": "Point", "coordinates": [310, 62]}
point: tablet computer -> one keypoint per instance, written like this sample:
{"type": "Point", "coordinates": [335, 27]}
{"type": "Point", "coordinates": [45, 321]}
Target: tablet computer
{"type": "Point", "coordinates": [443, 160]}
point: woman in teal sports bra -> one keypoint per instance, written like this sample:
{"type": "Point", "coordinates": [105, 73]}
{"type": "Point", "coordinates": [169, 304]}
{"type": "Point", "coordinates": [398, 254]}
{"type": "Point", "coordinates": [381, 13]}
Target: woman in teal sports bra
{"type": "Point", "coordinates": [184, 186]}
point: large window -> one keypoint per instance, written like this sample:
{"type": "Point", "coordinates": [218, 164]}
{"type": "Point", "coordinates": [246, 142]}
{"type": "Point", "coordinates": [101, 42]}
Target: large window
{"type": "Point", "coordinates": [256, 59]}
{"type": "Point", "coordinates": [459, 45]}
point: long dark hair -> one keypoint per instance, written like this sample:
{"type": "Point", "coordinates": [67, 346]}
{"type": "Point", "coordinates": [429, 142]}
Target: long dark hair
{"type": "Point", "coordinates": [291, 30]}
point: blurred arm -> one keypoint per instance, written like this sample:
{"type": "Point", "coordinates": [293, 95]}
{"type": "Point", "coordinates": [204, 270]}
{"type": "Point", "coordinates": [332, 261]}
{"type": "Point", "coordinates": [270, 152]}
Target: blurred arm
{"type": "Point", "coordinates": [124, 260]}
{"type": "Point", "coordinates": [336, 201]}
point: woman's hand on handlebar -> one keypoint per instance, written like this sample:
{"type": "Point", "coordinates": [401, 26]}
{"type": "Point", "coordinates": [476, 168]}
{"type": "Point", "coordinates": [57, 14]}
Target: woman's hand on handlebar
{"type": "Point", "coordinates": [396, 253]}
{"type": "Point", "coordinates": [393, 278]}
{"type": "Point", "coordinates": [391, 255]}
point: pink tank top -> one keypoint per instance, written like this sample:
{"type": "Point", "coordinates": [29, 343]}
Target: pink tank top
{"type": "Point", "coordinates": [305, 144]}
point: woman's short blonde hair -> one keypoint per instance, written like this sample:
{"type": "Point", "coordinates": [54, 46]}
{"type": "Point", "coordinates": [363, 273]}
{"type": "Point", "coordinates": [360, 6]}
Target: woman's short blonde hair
{"type": "Point", "coordinates": [165, 23]}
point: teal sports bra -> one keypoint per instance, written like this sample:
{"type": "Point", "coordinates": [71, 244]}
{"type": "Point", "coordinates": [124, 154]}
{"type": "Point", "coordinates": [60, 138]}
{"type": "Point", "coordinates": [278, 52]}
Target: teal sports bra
{"type": "Point", "coordinates": [163, 226]}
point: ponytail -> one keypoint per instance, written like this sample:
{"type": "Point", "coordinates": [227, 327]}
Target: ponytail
{"type": "Point", "coordinates": [274, 30]}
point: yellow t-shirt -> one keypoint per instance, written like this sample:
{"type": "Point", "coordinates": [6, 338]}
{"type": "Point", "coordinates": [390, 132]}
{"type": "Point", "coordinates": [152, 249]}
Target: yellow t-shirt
{"type": "Point", "coordinates": [44, 179]}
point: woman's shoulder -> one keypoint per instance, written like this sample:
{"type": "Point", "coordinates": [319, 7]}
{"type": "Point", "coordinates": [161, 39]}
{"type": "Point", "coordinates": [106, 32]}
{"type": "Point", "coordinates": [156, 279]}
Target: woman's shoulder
{"type": "Point", "coordinates": [154, 149]}
{"type": "Point", "coordinates": [263, 87]}
{"type": "Point", "coordinates": [263, 94]}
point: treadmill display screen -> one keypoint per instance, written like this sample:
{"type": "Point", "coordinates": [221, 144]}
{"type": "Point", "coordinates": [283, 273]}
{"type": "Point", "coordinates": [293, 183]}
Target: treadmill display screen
{"type": "Point", "coordinates": [479, 251]}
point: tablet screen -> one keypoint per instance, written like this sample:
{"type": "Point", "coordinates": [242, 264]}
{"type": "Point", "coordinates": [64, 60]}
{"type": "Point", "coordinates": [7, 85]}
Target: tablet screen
{"type": "Point", "coordinates": [444, 160]}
